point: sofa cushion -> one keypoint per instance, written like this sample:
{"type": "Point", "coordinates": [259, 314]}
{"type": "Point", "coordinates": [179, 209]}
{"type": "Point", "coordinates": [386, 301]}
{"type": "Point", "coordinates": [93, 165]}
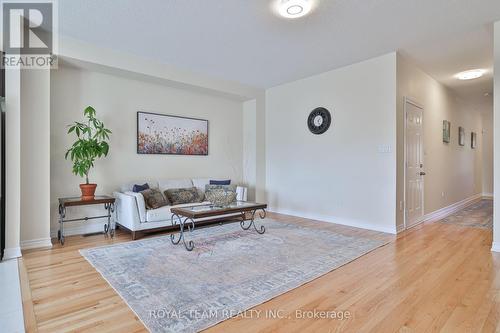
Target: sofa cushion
{"type": "Point", "coordinates": [159, 214]}
{"type": "Point", "coordinates": [178, 196]}
{"type": "Point", "coordinates": [174, 183]}
{"type": "Point", "coordinates": [154, 198]}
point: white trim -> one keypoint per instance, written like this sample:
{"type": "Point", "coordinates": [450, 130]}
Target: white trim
{"type": "Point", "coordinates": [487, 195]}
{"type": "Point", "coordinates": [335, 220]}
{"type": "Point", "coordinates": [11, 253]}
{"type": "Point", "coordinates": [35, 243]}
{"type": "Point", "coordinates": [448, 210]}
{"type": "Point", "coordinates": [408, 100]}
{"type": "Point", "coordinates": [495, 247]}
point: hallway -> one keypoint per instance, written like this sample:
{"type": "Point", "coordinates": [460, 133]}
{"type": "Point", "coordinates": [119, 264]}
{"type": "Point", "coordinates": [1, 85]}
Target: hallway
{"type": "Point", "coordinates": [477, 215]}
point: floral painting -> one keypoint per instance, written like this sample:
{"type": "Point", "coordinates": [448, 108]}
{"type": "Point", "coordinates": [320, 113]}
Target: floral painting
{"type": "Point", "coordinates": [163, 134]}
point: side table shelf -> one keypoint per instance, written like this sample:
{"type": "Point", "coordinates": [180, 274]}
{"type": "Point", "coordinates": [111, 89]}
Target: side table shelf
{"type": "Point", "coordinates": [109, 206]}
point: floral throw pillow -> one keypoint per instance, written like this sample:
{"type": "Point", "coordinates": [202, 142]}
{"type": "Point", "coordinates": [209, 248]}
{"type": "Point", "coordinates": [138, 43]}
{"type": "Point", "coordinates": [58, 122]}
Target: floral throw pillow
{"type": "Point", "coordinates": [178, 196]}
{"type": "Point", "coordinates": [154, 198]}
{"type": "Point", "coordinates": [220, 195]}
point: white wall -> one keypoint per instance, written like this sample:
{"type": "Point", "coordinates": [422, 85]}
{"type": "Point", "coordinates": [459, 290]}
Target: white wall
{"type": "Point", "coordinates": [250, 147]}
{"type": "Point", "coordinates": [339, 176]}
{"type": "Point", "coordinates": [496, 138]}
{"type": "Point", "coordinates": [117, 101]}
{"type": "Point", "coordinates": [13, 163]}
{"type": "Point", "coordinates": [454, 173]}
{"type": "Point", "coordinates": [35, 158]}
{"type": "Point", "coordinates": [487, 123]}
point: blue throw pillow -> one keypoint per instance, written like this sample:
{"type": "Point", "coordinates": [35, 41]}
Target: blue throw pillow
{"type": "Point", "coordinates": [139, 188]}
{"type": "Point", "coordinates": [220, 182]}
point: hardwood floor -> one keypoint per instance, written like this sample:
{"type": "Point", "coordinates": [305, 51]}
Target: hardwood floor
{"type": "Point", "coordinates": [435, 277]}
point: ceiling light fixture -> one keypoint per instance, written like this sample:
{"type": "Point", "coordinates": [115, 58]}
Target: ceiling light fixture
{"type": "Point", "coordinates": [470, 75]}
{"type": "Point", "coordinates": [294, 8]}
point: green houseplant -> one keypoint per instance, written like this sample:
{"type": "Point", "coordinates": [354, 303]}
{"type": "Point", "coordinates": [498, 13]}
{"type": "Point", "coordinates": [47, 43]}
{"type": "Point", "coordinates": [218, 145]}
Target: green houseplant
{"type": "Point", "coordinates": [91, 143]}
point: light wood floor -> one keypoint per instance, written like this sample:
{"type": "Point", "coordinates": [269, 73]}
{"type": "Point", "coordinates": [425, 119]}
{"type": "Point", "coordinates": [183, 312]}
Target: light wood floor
{"type": "Point", "coordinates": [435, 277]}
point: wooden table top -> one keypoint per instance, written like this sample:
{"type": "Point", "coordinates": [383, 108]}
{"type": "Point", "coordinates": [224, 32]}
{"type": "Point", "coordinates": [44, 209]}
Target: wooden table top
{"type": "Point", "coordinates": [200, 211]}
{"type": "Point", "coordinates": [77, 201]}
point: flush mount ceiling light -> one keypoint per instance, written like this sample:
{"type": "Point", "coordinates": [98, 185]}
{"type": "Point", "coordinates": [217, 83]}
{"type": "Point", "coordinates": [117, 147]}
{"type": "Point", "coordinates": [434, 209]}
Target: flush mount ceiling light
{"type": "Point", "coordinates": [470, 75]}
{"type": "Point", "coordinates": [294, 8]}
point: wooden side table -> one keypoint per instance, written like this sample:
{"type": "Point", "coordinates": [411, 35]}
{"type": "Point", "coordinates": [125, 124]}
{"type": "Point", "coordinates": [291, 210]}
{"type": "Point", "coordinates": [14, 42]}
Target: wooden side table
{"type": "Point", "coordinates": [109, 205]}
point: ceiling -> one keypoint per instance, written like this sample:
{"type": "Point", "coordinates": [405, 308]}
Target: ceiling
{"type": "Point", "coordinates": [244, 41]}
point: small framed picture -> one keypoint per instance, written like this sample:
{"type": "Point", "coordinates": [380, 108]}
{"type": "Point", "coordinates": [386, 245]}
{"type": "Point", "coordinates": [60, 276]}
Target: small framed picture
{"type": "Point", "coordinates": [461, 136]}
{"type": "Point", "coordinates": [446, 131]}
{"type": "Point", "coordinates": [473, 140]}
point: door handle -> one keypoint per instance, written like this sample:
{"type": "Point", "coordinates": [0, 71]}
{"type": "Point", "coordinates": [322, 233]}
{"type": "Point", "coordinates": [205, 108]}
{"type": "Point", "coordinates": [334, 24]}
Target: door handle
{"type": "Point", "coordinates": [422, 173]}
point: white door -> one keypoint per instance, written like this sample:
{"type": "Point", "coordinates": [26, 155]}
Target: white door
{"type": "Point", "coordinates": [414, 201]}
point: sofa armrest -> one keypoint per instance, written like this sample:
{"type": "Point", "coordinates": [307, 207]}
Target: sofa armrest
{"type": "Point", "coordinates": [127, 211]}
{"type": "Point", "coordinates": [140, 203]}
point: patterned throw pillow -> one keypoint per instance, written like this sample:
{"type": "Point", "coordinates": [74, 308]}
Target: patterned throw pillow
{"type": "Point", "coordinates": [179, 196]}
{"type": "Point", "coordinates": [210, 187]}
{"type": "Point", "coordinates": [154, 198]}
{"type": "Point", "coordinates": [220, 197]}
{"type": "Point", "coordinates": [220, 194]}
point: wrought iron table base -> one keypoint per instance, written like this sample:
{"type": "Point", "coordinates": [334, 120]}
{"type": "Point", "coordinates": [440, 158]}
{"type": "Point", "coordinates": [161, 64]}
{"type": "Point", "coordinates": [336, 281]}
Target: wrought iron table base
{"type": "Point", "coordinates": [176, 218]}
{"type": "Point", "coordinates": [262, 215]}
{"type": "Point", "coordinates": [189, 222]}
{"type": "Point", "coordinates": [108, 229]}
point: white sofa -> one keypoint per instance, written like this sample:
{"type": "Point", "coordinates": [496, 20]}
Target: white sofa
{"type": "Point", "coordinates": [131, 212]}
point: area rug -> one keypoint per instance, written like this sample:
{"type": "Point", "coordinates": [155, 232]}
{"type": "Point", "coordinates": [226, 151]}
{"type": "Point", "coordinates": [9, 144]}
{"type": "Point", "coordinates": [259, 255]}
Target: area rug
{"type": "Point", "coordinates": [229, 271]}
{"type": "Point", "coordinates": [478, 215]}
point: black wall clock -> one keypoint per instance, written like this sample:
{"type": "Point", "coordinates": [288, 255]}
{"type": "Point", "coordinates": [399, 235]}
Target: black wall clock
{"type": "Point", "coordinates": [319, 120]}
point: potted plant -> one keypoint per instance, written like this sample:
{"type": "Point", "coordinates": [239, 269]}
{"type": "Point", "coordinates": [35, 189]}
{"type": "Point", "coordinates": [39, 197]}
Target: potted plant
{"type": "Point", "coordinates": [91, 143]}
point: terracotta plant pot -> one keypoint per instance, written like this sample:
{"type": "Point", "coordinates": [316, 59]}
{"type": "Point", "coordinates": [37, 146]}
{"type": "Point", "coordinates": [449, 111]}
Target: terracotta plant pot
{"type": "Point", "coordinates": [88, 191]}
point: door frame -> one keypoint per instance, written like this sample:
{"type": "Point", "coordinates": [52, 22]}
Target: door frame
{"type": "Point", "coordinates": [408, 100]}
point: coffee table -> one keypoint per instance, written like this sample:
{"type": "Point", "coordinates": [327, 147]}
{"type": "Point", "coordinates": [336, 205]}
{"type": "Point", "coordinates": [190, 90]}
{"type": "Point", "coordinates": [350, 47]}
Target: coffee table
{"type": "Point", "coordinates": [186, 216]}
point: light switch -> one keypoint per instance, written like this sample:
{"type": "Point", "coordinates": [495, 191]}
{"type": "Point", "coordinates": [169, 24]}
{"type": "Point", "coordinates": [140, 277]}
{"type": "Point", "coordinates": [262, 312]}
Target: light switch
{"type": "Point", "coordinates": [384, 149]}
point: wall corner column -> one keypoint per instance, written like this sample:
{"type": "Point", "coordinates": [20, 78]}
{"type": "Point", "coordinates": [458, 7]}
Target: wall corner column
{"type": "Point", "coordinates": [496, 138]}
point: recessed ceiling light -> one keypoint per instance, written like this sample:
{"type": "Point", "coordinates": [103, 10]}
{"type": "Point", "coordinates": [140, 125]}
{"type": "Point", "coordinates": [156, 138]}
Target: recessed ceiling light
{"type": "Point", "coordinates": [294, 8]}
{"type": "Point", "coordinates": [470, 75]}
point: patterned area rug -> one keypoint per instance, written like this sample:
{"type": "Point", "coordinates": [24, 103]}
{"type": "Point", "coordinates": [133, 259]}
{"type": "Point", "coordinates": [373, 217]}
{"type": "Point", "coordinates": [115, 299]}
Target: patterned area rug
{"type": "Point", "coordinates": [229, 271]}
{"type": "Point", "coordinates": [478, 215]}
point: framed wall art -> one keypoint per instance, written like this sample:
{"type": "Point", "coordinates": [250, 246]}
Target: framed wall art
{"type": "Point", "coordinates": [473, 140]}
{"type": "Point", "coordinates": [171, 135]}
{"type": "Point", "coordinates": [446, 131]}
{"type": "Point", "coordinates": [461, 136]}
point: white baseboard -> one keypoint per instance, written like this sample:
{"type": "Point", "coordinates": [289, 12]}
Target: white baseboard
{"type": "Point", "coordinates": [487, 195]}
{"type": "Point", "coordinates": [330, 219]}
{"type": "Point", "coordinates": [495, 247]}
{"type": "Point", "coordinates": [448, 210]}
{"type": "Point", "coordinates": [36, 243]}
{"type": "Point", "coordinates": [11, 253]}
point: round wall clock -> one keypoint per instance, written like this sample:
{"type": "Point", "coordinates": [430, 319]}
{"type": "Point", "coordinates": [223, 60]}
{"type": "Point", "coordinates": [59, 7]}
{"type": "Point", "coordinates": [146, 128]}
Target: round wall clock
{"type": "Point", "coordinates": [319, 120]}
